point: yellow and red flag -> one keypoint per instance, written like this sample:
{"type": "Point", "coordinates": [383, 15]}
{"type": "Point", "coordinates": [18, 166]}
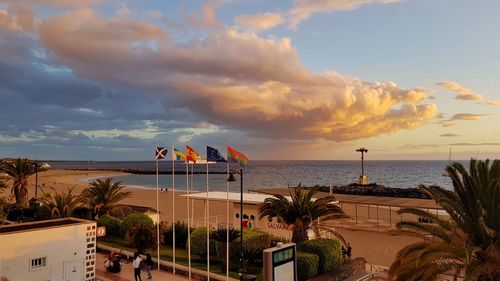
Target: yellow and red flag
{"type": "Point", "coordinates": [191, 154]}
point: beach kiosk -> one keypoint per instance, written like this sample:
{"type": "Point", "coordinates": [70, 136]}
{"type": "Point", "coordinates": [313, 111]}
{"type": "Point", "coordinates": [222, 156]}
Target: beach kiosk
{"type": "Point", "coordinates": [280, 263]}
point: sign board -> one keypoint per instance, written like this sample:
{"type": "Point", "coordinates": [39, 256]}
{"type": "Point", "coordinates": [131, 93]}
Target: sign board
{"type": "Point", "coordinates": [100, 231]}
{"type": "Point", "coordinates": [280, 263]}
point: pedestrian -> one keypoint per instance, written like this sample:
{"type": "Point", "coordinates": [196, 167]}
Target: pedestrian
{"type": "Point", "coordinates": [349, 249]}
{"type": "Point", "coordinates": [137, 267]}
{"type": "Point", "coordinates": [149, 265]}
{"type": "Point", "coordinates": [344, 252]}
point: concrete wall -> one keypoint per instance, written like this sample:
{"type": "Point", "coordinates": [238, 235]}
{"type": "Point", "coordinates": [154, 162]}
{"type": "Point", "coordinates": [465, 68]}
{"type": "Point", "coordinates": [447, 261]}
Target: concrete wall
{"type": "Point", "coordinates": [69, 251]}
{"type": "Point", "coordinates": [273, 227]}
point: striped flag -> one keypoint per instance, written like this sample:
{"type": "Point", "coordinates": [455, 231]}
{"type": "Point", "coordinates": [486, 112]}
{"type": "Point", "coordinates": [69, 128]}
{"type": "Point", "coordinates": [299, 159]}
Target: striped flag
{"type": "Point", "coordinates": [191, 154]}
{"type": "Point", "coordinates": [161, 152]}
{"type": "Point", "coordinates": [234, 155]}
{"type": "Point", "coordinates": [178, 155]}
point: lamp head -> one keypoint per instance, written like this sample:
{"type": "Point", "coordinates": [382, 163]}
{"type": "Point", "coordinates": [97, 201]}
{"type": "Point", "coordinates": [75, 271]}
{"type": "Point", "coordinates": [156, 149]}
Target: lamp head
{"type": "Point", "coordinates": [231, 178]}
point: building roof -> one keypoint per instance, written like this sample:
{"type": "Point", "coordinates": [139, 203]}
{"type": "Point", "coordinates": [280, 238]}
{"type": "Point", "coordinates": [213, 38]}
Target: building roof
{"type": "Point", "coordinates": [39, 225]}
{"type": "Point", "coordinates": [248, 198]}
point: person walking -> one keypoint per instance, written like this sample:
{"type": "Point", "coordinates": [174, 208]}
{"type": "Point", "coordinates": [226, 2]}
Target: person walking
{"type": "Point", "coordinates": [349, 249]}
{"type": "Point", "coordinates": [149, 265]}
{"type": "Point", "coordinates": [137, 267]}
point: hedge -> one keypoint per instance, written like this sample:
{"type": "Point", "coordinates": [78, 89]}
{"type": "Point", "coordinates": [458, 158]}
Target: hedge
{"type": "Point", "coordinates": [132, 219]}
{"type": "Point", "coordinates": [328, 251]}
{"type": "Point", "coordinates": [199, 243]}
{"type": "Point", "coordinates": [307, 265]}
{"type": "Point", "coordinates": [111, 223]}
{"type": "Point", "coordinates": [181, 234]}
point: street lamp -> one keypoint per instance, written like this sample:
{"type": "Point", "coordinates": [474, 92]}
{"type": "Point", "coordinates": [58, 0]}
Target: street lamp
{"type": "Point", "coordinates": [232, 179]}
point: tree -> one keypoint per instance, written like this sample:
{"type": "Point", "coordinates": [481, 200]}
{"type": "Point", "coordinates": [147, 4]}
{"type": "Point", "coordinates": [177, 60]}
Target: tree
{"type": "Point", "coordinates": [141, 236]}
{"type": "Point", "coordinates": [466, 243]}
{"type": "Point", "coordinates": [301, 210]}
{"type": "Point", "coordinates": [220, 236]}
{"type": "Point", "coordinates": [60, 205]}
{"type": "Point", "coordinates": [104, 196]}
{"type": "Point", "coordinates": [17, 172]}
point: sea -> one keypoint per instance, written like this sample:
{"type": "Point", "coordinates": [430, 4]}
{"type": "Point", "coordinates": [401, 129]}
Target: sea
{"type": "Point", "coordinates": [273, 173]}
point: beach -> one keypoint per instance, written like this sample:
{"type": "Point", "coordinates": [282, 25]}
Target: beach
{"type": "Point", "coordinates": [379, 248]}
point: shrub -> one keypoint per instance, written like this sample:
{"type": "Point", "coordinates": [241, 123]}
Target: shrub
{"type": "Point", "coordinates": [254, 242]}
{"type": "Point", "coordinates": [328, 251]}
{"type": "Point", "coordinates": [307, 265]}
{"type": "Point", "coordinates": [141, 236]}
{"type": "Point", "coordinates": [132, 219]}
{"type": "Point", "coordinates": [181, 235]}
{"type": "Point", "coordinates": [112, 224]}
{"type": "Point", "coordinates": [199, 243]}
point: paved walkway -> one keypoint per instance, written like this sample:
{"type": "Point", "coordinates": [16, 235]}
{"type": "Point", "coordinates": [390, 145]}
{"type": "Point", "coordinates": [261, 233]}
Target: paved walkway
{"type": "Point", "coordinates": [127, 272]}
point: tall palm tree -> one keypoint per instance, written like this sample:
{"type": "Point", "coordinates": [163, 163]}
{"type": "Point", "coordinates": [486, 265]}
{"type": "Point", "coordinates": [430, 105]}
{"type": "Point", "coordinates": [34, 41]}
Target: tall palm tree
{"type": "Point", "coordinates": [301, 210]}
{"type": "Point", "coordinates": [17, 172]}
{"type": "Point", "coordinates": [468, 242]}
{"type": "Point", "coordinates": [221, 235]}
{"type": "Point", "coordinates": [60, 205]}
{"type": "Point", "coordinates": [104, 196]}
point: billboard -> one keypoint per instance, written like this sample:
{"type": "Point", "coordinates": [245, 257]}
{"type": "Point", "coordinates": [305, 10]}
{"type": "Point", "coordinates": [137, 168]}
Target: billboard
{"type": "Point", "coordinates": [280, 263]}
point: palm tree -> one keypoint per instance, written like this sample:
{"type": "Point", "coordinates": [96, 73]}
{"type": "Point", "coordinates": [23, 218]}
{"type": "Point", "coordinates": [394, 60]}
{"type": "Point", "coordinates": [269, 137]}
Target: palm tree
{"type": "Point", "coordinates": [301, 210]}
{"type": "Point", "coordinates": [221, 235]}
{"type": "Point", "coordinates": [466, 243]}
{"type": "Point", "coordinates": [17, 173]}
{"type": "Point", "coordinates": [60, 205]}
{"type": "Point", "coordinates": [104, 196]}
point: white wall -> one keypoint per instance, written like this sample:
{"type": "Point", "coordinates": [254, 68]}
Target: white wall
{"type": "Point", "coordinates": [65, 247]}
{"type": "Point", "coordinates": [273, 227]}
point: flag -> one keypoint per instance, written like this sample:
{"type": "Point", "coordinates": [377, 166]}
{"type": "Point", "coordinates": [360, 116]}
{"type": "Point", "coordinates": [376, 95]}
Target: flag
{"type": "Point", "coordinates": [191, 154]}
{"type": "Point", "coordinates": [178, 155]}
{"type": "Point", "coordinates": [234, 155]}
{"type": "Point", "coordinates": [214, 155]}
{"type": "Point", "coordinates": [161, 152]}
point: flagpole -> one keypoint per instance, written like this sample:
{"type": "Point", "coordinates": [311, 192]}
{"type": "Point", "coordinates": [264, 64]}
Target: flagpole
{"type": "Point", "coordinates": [157, 216]}
{"type": "Point", "coordinates": [208, 226]}
{"type": "Point", "coordinates": [173, 208]}
{"type": "Point", "coordinates": [227, 221]}
{"type": "Point", "coordinates": [188, 218]}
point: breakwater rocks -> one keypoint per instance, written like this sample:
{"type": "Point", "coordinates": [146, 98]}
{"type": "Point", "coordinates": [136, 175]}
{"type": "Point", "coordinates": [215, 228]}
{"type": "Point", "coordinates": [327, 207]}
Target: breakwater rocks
{"type": "Point", "coordinates": [374, 189]}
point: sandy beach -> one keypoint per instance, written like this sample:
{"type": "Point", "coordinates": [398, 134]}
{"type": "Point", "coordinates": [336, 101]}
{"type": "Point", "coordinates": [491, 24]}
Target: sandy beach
{"type": "Point", "coordinates": [379, 248]}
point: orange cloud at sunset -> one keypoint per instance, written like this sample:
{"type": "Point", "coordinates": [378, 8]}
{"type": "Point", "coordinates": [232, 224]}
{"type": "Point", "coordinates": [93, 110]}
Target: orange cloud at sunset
{"type": "Point", "coordinates": [234, 80]}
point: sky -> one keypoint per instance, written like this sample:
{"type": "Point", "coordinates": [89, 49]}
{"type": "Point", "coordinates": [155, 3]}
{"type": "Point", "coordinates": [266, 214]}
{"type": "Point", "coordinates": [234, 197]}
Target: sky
{"type": "Point", "coordinates": [277, 80]}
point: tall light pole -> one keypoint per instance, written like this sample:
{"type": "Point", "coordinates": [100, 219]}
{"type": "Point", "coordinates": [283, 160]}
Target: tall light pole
{"type": "Point", "coordinates": [231, 178]}
{"type": "Point", "coordinates": [363, 179]}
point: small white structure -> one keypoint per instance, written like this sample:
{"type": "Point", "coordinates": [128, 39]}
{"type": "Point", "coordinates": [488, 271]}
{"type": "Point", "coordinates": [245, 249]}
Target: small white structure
{"type": "Point", "coordinates": [59, 249]}
{"type": "Point", "coordinates": [251, 204]}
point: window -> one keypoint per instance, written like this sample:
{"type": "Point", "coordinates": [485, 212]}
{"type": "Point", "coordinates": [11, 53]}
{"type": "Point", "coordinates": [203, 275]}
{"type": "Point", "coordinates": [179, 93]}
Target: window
{"type": "Point", "coordinates": [38, 263]}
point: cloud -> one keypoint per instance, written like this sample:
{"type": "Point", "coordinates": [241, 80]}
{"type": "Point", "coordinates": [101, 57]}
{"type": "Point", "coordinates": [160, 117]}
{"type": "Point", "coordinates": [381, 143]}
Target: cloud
{"type": "Point", "coordinates": [303, 9]}
{"type": "Point", "coordinates": [207, 19]}
{"type": "Point", "coordinates": [466, 116]}
{"type": "Point", "coordinates": [267, 92]}
{"type": "Point", "coordinates": [462, 92]}
{"type": "Point", "coordinates": [20, 18]}
{"type": "Point", "coordinates": [261, 21]}
{"type": "Point", "coordinates": [493, 102]}
{"type": "Point", "coordinates": [449, 135]}
{"type": "Point", "coordinates": [55, 3]}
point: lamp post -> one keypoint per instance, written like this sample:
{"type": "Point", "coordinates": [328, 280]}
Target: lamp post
{"type": "Point", "coordinates": [230, 179]}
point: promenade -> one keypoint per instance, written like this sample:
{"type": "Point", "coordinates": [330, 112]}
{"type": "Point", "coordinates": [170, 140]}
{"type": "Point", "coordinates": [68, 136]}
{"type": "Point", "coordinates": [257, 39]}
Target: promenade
{"type": "Point", "coordinates": [127, 272]}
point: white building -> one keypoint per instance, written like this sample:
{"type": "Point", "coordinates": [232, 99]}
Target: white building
{"type": "Point", "coordinates": [59, 249]}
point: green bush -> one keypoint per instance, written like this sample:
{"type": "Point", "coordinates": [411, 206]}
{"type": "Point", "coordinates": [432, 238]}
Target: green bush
{"type": "Point", "coordinates": [181, 235]}
{"type": "Point", "coordinates": [132, 219]}
{"type": "Point", "coordinates": [328, 251]}
{"type": "Point", "coordinates": [112, 224]}
{"type": "Point", "coordinates": [307, 265]}
{"type": "Point", "coordinates": [199, 243]}
{"type": "Point", "coordinates": [254, 242]}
